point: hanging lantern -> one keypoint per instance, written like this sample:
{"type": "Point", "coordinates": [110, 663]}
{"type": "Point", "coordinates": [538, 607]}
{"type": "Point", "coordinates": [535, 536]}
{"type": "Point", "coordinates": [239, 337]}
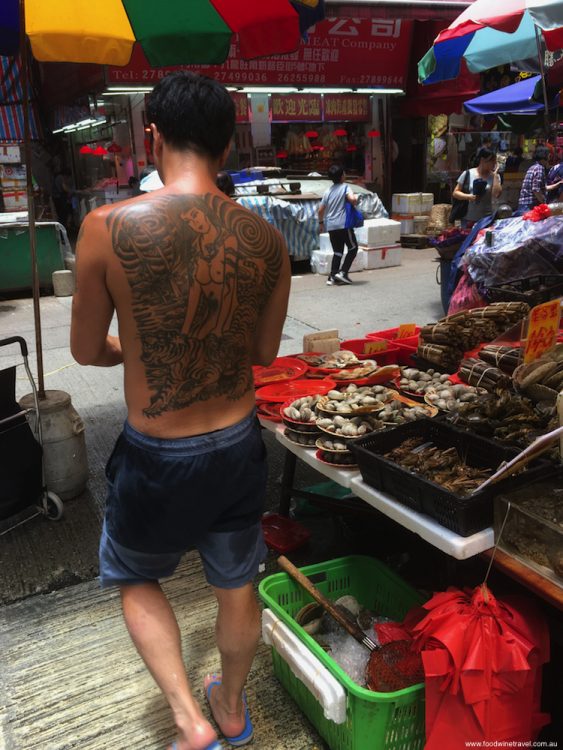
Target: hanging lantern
{"type": "Point", "coordinates": [114, 148]}
{"type": "Point", "coordinates": [311, 134]}
{"type": "Point", "coordinates": [341, 132]}
{"type": "Point", "coordinates": [85, 149]}
{"type": "Point", "coordinates": [281, 155]}
{"type": "Point", "coordinates": [351, 147]}
{"type": "Point", "coordinates": [100, 151]}
{"type": "Point", "coordinates": [318, 148]}
{"type": "Point", "coordinates": [373, 133]}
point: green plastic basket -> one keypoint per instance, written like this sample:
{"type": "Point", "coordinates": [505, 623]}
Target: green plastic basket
{"type": "Point", "coordinates": [374, 721]}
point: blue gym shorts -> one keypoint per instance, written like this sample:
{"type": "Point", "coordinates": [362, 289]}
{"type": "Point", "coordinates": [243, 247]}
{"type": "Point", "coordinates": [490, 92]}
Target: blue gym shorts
{"type": "Point", "coordinates": [166, 497]}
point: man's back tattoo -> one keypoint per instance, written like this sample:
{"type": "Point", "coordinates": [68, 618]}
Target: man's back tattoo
{"type": "Point", "coordinates": [200, 269]}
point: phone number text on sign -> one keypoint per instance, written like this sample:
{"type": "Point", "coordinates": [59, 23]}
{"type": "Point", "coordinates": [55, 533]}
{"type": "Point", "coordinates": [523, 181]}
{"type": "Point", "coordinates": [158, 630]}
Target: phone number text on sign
{"type": "Point", "coordinates": [543, 328]}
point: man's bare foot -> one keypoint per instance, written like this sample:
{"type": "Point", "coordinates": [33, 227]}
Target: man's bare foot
{"type": "Point", "coordinates": [199, 737]}
{"type": "Point", "coordinates": [231, 722]}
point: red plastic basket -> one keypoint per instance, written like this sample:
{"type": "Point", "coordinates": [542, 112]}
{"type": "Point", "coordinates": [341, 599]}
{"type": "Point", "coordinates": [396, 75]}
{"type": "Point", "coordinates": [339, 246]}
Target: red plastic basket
{"type": "Point", "coordinates": [282, 534]}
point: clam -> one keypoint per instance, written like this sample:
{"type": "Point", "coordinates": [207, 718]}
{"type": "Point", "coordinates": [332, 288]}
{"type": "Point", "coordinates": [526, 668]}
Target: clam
{"type": "Point", "coordinates": [309, 617]}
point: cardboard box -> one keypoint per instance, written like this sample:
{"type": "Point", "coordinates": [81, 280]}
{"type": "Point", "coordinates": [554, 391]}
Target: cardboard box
{"type": "Point", "coordinates": [412, 203]}
{"type": "Point", "coordinates": [379, 232]}
{"type": "Point", "coordinates": [382, 257]}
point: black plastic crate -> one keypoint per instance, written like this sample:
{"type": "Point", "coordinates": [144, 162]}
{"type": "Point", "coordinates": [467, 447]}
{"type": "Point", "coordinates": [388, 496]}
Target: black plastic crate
{"type": "Point", "coordinates": [533, 289]}
{"type": "Point", "coordinates": [463, 515]}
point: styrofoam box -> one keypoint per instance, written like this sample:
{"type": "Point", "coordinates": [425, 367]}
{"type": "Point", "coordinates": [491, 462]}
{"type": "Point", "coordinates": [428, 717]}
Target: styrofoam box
{"type": "Point", "coordinates": [321, 261]}
{"type": "Point", "coordinates": [382, 257]}
{"type": "Point", "coordinates": [412, 203]}
{"type": "Point", "coordinates": [378, 232]}
{"type": "Point", "coordinates": [14, 200]}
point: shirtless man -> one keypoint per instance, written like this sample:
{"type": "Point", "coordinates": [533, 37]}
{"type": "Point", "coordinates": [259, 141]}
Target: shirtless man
{"type": "Point", "coordinates": [189, 468]}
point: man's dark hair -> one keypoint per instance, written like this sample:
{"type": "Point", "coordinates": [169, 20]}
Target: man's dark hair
{"type": "Point", "coordinates": [541, 152]}
{"type": "Point", "coordinates": [225, 183]}
{"type": "Point", "coordinates": [192, 112]}
{"type": "Point", "coordinates": [335, 173]}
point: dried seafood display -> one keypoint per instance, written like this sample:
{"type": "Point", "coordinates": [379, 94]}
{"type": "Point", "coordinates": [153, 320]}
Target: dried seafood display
{"type": "Point", "coordinates": [355, 398]}
{"type": "Point", "coordinates": [509, 418]}
{"type": "Point", "coordinates": [444, 342]}
{"type": "Point", "coordinates": [475, 372]}
{"type": "Point", "coordinates": [444, 467]}
{"type": "Point", "coordinates": [543, 379]}
{"type": "Point", "coordinates": [506, 358]}
{"type": "Point", "coordinates": [364, 370]}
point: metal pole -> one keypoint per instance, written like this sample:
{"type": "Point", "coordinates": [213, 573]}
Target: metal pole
{"type": "Point", "coordinates": [31, 202]}
{"type": "Point", "coordinates": [544, 86]}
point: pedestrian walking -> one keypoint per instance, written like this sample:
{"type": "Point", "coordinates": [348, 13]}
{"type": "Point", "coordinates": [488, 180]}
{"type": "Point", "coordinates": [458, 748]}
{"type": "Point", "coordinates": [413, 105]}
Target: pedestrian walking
{"type": "Point", "coordinates": [200, 286]}
{"type": "Point", "coordinates": [478, 186]}
{"type": "Point", "coordinates": [332, 214]}
{"type": "Point", "coordinates": [534, 185]}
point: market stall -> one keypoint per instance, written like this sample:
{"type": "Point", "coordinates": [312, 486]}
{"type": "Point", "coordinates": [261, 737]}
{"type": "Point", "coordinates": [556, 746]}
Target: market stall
{"type": "Point", "coordinates": [421, 445]}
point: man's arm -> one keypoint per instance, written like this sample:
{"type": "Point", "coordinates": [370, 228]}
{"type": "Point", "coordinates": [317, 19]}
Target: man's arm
{"type": "Point", "coordinates": [92, 305]}
{"type": "Point", "coordinates": [538, 186]}
{"type": "Point", "coordinates": [270, 322]}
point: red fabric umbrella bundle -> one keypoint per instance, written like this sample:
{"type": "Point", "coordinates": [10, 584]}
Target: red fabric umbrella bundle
{"type": "Point", "coordinates": [482, 661]}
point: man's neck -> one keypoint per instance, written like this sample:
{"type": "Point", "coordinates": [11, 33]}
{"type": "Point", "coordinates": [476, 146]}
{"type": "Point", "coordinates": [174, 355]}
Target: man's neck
{"type": "Point", "coordinates": [186, 169]}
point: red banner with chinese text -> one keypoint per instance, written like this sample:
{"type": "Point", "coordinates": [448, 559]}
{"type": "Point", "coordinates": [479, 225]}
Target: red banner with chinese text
{"type": "Point", "coordinates": [241, 106]}
{"type": "Point", "coordinates": [339, 52]}
{"type": "Point", "coordinates": [339, 107]}
{"type": "Point", "coordinates": [295, 107]}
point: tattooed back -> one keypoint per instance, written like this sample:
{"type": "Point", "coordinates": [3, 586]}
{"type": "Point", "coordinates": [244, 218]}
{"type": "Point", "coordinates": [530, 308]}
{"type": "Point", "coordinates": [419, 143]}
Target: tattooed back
{"type": "Point", "coordinates": [190, 276]}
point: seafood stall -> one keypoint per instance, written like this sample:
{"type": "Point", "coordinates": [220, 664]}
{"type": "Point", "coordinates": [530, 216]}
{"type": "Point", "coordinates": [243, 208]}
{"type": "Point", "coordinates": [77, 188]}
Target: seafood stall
{"type": "Point", "coordinates": [463, 405]}
{"type": "Point", "coordinates": [445, 430]}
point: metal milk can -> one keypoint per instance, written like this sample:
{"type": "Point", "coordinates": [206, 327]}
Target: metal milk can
{"type": "Point", "coordinates": [64, 446]}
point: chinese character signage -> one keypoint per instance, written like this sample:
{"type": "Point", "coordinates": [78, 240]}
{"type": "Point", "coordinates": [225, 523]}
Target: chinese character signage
{"type": "Point", "coordinates": [304, 107]}
{"type": "Point", "coordinates": [346, 107]}
{"type": "Point", "coordinates": [241, 106]}
{"type": "Point", "coordinates": [340, 52]}
{"type": "Point", "coordinates": [543, 327]}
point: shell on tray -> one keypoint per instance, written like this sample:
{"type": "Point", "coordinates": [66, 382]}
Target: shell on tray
{"type": "Point", "coordinates": [355, 399]}
{"type": "Point", "coordinates": [450, 396]}
{"type": "Point", "coordinates": [302, 409]}
{"type": "Point", "coordinates": [350, 427]}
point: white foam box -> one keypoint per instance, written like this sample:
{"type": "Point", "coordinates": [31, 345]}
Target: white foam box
{"type": "Point", "coordinates": [379, 232]}
{"type": "Point", "coordinates": [412, 203]}
{"type": "Point", "coordinates": [321, 261]}
{"type": "Point", "coordinates": [382, 257]}
{"type": "Point", "coordinates": [14, 200]}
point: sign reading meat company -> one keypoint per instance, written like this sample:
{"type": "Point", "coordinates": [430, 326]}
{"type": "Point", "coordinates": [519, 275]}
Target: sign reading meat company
{"type": "Point", "coordinates": [340, 52]}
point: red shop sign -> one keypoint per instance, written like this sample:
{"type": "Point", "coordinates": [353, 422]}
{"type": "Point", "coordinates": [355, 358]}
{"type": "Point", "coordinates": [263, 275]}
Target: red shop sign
{"type": "Point", "coordinates": [346, 107]}
{"type": "Point", "coordinates": [241, 106]}
{"type": "Point", "coordinates": [304, 107]}
{"type": "Point", "coordinates": [340, 52]}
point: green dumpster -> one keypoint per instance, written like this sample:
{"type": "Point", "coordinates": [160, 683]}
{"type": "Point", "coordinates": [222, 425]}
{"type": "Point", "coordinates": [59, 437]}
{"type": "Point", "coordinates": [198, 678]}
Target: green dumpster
{"type": "Point", "coordinates": [15, 257]}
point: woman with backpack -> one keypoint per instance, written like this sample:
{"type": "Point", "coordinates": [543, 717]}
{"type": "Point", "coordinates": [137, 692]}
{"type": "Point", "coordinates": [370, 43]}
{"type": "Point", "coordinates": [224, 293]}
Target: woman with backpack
{"type": "Point", "coordinates": [332, 214]}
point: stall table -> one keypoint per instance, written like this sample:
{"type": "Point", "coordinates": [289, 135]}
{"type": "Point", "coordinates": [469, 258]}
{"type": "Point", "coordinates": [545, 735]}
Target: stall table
{"type": "Point", "coordinates": [431, 531]}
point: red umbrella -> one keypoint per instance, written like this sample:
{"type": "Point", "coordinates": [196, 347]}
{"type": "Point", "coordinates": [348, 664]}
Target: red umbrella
{"type": "Point", "coordinates": [86, 149]}
{"type": "Point", "coordinates": [311, 134]}
{"type": "Point", "coordinates": [341, 132]}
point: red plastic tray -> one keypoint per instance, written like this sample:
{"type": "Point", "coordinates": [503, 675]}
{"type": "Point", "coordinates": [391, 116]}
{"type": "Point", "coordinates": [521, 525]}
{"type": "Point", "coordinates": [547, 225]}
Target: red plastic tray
{"type": "Point", "coordinates": [293, 389]}
{"type": "Point", "coordinates": [281, 370]}
{"type": "Point", "coordinates": [389, 356]}
{"type": "Point", "coordinates": [283, 534]}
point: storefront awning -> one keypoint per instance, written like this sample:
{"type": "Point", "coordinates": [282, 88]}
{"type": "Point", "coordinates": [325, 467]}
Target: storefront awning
{"type": "Point", "coordinates": [414, 10]}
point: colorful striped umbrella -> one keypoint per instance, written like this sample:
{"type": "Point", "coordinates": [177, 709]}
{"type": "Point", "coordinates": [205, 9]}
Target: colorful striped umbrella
{"type": "Point", "coordinates": [493, 32]}
{"type": "Point", "coordinates": [171, 32]}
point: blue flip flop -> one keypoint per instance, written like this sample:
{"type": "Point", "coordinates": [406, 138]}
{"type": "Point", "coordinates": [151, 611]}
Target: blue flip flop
{"type": "Point", "coordinates": [247, 733]}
